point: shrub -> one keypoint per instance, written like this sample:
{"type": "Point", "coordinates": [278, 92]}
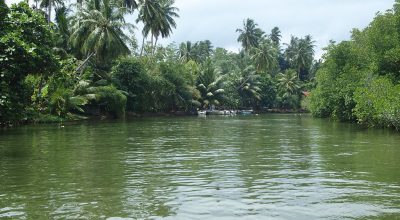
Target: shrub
{"type": "Point", "coordinates": [378, 104]}
{"type": "Point", "coordinates": [129, 75]}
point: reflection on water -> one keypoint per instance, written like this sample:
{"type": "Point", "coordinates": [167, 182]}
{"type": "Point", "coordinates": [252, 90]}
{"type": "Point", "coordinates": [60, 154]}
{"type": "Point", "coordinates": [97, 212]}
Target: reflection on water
{"type": "Point", "coordinates": [273, 166]}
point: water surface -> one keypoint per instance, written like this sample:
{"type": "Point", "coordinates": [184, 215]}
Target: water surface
{"type": "Point", "coordinates": [255, 167]}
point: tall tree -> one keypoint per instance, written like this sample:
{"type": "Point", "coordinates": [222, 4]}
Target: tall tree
{"type": "Point", "coordinates": [210, 84]}
{"type": "Point", "coordinates": [300, 53]}
{"type": "Point", "coordinates": [248, 88]}
{"type": "Point", "coordinates": [288, 89]}
{"type": "Point", "coordinates": [249, 35]}
{"type": "Point", "coordinates": [202, 50]}
{"type": "Point", "coordinates": [265, 56]}
{"type": "Point", "coordinates": [276, 35]}
{"type": "Point", "coordinates": [288, 82]}
{"type": "Point", "coordinates": [166, 22]}
{"type": "Point", "coordinates": [130, 4]}
{"type": "Point", "coordinates": [48, 4]}
{"type": "Point", "coordinates": [97, 30]}
{"type": "Point", "coordinates": [148, 13]}
{"type": "Point", "coordinates": [186, 52]}
{"type": "Point", "coordinates": [158, 19]}
{"type": "Point", "coordinates": [62, 28]}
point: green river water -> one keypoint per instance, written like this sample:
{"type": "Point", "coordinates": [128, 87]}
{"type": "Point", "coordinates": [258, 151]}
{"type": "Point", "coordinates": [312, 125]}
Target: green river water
{"type": "Point", "coordinates": [254, 167]}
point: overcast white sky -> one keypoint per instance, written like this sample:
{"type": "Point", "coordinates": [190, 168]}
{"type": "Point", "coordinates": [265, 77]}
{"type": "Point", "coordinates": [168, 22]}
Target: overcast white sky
{"type": "Point", "coordinates": [217, 20]}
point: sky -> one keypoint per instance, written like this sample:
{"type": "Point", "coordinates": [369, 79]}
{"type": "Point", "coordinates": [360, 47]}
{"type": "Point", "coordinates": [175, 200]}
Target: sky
{"type": "Point", "coordinates": [324, 20]}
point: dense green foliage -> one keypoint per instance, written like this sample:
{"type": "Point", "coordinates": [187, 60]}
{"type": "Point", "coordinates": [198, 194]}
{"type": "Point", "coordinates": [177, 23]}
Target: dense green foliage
{"type": "Point", "coordinates": [359, 79]}
{"type": "Point", "coordinates": [378, 103]}
{"type": "Point", "coordinates": [87, 62]}
{"type": "Point", "coordinates": [25, 48]}
{"type": "Point", "coordinates": [97, 30]}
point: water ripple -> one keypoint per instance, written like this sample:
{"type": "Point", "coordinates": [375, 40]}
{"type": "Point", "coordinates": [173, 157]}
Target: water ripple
{"type": "Point", "coordinates": [265, 167]}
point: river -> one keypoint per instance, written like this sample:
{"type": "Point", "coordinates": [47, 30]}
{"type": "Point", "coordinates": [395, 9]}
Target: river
{"type": "Point", "coordinates": [252, 167]}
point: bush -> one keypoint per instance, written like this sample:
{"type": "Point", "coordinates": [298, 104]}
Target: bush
{"type": "Point", "coordinates": [178, 93]}
{"type": "Point", "coordinates": [338, 78]}
{"type": "Point", "coordinates": [269, 92]}
{"type": "Point", "coordinates": [305, 103]}
{"type": "Point", "coordinates": [164, 86]}
{"type": "Point", "coordinates": [129, 75]}
{"type": "Point", "coordinates": [110, 99]}
{"type": "Point", "coordinates": [378, 104]}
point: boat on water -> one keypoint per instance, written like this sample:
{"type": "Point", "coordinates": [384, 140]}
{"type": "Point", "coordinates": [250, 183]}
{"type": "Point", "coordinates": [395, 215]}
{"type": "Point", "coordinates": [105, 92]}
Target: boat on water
{"type": "Point", "coordinates": [221, 112]}
{"type": "Point", "coordinates": [201, 113]}
{"type": "Point", "coordinates": [245, 112]}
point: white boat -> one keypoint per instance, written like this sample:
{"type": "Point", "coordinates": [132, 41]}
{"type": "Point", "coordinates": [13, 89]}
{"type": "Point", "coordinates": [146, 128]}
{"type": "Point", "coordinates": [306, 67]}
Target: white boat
{"type": "Point", "coordinates": [221, 112]}
{"type": "Point", "coordinates": [201, 113]}
{"type": "Point", "coordinates": [245, 112]}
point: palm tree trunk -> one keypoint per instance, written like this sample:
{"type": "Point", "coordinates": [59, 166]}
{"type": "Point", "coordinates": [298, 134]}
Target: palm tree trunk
{"type": "Point", "coordinates": [244, 82]}
{"type": "Point", "coordinates": [155, 45]}
{"type": "Point", "coordinates": [141, 50]}
{"type": "Point", "coordinates": [80, 67]}
{"type": "Point", "coordinates": [97, 4]}
{"type": "Point", "coordinates": [40, 85]}
{"type": "Point", "coordinates": [298, 72]}
{"type": "Point", "coordinates": [49, 12]}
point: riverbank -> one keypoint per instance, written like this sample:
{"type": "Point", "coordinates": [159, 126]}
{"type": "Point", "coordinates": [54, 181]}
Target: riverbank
{"type": "Point", "coordinates": [50, 119]}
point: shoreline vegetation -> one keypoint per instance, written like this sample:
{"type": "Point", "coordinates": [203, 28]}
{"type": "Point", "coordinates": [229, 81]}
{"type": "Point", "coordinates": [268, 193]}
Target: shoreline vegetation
{"type": "Point", "coordinates": [87, 62]}
{"type": "Point", "coordinates": [359, 80]}
{"type": "Point", "coordinates": [51, 119]}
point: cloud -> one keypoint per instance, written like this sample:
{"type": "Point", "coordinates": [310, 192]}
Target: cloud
{"type": "Point", "coordinates": [217, 20]}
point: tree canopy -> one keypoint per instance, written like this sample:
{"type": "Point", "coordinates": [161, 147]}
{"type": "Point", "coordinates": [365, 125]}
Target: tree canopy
{"type": "Point", "coordinates": [358, 80]}
{"type": "Point", "coordinates": [84, 60]}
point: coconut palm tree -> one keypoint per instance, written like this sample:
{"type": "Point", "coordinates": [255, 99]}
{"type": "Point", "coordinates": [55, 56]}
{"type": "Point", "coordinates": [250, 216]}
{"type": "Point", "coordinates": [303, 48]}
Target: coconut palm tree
{"type": "Point", "coordinates": [265, 56]}
{"type": "Point", "coordinates": [248, 87]}
{"type": "Point", "coordinates": [130, 4]}
{"type": "Point", "coordinates": [300, 53]}
{"type": "Point", "coordinates": [206, 48]}
{"type": "Point", "coordinates": [202, 50]}
{"type": "Point", "coordinates": [148, 13]}
{"type": "Point", "coordinates": [158, 19]}
{"type": "Point", "coordinates": [249, 35]}
{"type": "Point", "coordinates": [288, 82]}
{"type": "Point", "coordinates": [164, 25]}
{"type": "Point", "coordinates": [186, 52]}
{"type": "Point", "coordinates": [276, 35]}
{"type": "Point", "coordinates": [288, 89]}
{"type": "Point", "coordinates": [97, 30]}
{"type": "Point", "coordinates": [210, 84]}
{"type": "Point", "coordinates": [62, 29]}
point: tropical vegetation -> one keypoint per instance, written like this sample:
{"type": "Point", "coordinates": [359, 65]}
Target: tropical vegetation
{"type": "Point", "coordinates": [359, 80]}
{"type": "Point", "coordinates": [65, 61]}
